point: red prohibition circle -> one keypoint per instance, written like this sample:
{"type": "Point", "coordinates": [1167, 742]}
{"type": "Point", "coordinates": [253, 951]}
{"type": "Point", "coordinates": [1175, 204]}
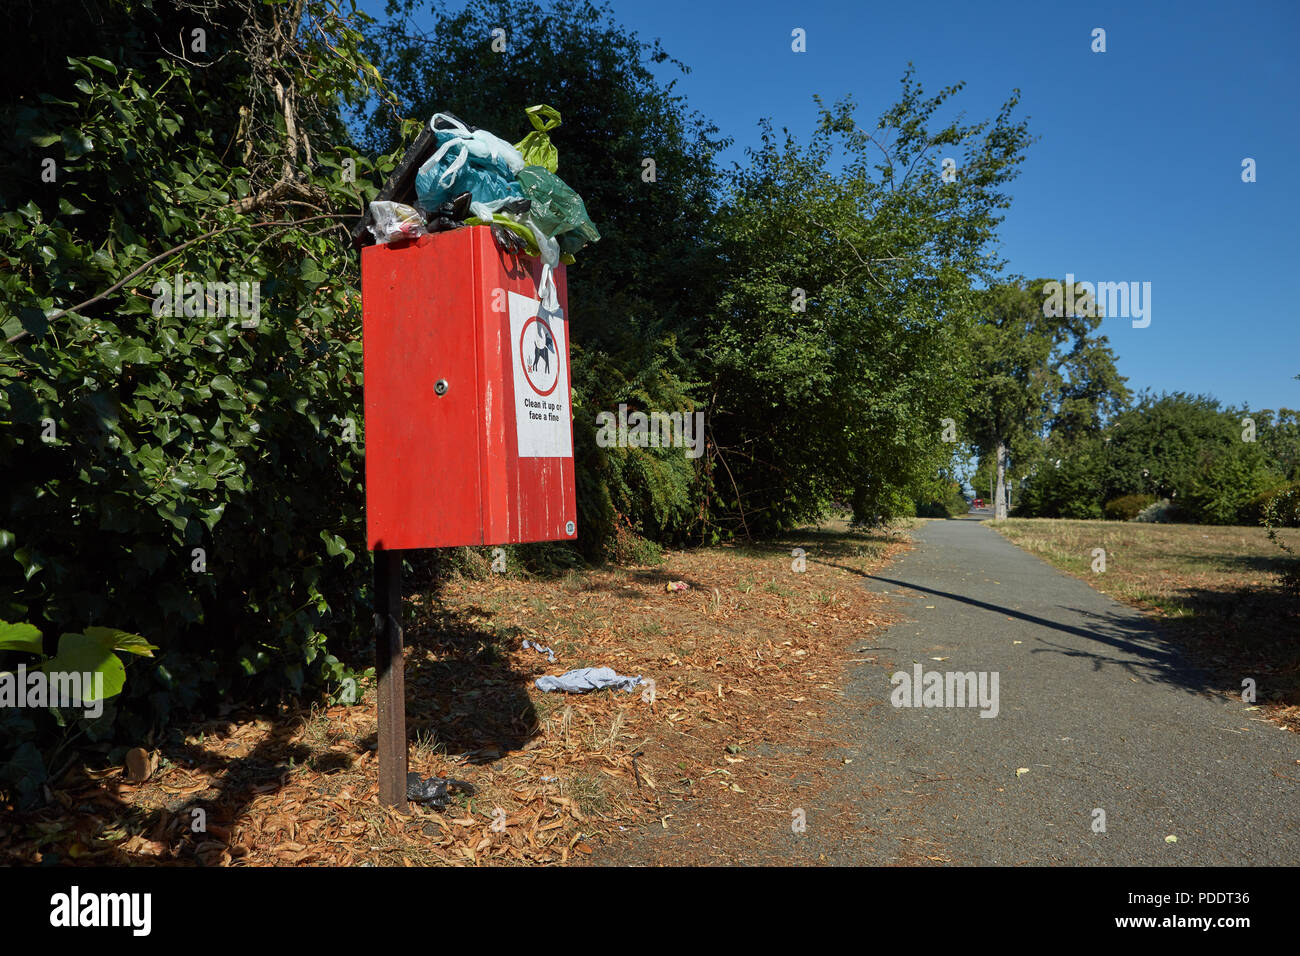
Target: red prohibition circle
{"type": "Point", "coordinates": [524, 365]}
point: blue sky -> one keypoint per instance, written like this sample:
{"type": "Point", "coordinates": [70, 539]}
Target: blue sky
{"type": "Point", "coordinates": [1136, 172]}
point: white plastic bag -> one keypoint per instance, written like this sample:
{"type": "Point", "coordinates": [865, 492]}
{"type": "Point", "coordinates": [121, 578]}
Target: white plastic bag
{"type": "Point", "coordinates": [550, 257]}
{"type": "Point", "coordinates": [549, 253]}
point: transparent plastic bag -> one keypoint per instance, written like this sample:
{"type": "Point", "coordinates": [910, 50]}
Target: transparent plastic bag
{"type": "Point", "coordinates": [484, 184]}
{"type": "Point", "coordinates": [391, 221]}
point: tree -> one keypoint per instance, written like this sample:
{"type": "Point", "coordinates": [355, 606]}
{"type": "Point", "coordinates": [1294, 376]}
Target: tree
{"type": "Point", "coordinates": [1068, 486]}
{"type": "Point", "coordinates": [1043, 383]}
{"type": "Point", "coordinates": [1159, 442]}
{"type": "Point", "coordinates": [1278, 434]}
{"type": "Point", "coordinates": [837, 347]}
{"type": "Point", "coordinates": [1227, 479]}
{"type": "Point", "coordinates": [1190, 449]}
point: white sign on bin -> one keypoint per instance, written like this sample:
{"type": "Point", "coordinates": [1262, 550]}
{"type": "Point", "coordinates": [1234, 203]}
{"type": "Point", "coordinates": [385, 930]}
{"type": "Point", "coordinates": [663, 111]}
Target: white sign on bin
{"type": "Point", "coordinates": [539, 345]}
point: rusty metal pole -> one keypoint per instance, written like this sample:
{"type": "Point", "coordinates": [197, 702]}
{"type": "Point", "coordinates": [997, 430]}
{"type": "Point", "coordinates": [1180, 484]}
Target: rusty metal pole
{"type": "Point", "coordinates": [390, 671]}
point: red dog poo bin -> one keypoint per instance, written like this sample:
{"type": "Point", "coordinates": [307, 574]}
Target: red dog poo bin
{"type": "Point", "coordinates": [469, 428]}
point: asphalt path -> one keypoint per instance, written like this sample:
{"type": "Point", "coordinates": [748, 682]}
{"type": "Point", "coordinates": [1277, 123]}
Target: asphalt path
{"type": "Point", "coordinates": [1095, 712]}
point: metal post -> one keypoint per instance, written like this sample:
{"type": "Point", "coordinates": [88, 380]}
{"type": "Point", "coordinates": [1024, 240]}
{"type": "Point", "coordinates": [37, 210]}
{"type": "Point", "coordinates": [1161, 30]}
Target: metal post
{"type": "Point", "coordinates": [389, 668]}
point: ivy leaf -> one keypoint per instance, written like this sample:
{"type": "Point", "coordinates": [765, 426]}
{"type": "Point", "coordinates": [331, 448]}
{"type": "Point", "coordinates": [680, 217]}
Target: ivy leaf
{"type": "Point", "coordinates": [32, 563]}
{"type": "Point", "coordinates": [81, 654]}
{"type": "Point", "coordinates": [76, 143]}
{"type": "Point", "coordinates": [213, 515]}
{"type": "Point", "coordinates": [137, 354]}
{"type": "Point", "coordinates": [111, 358]}
{"type": "Point", "coordinates": [116, 640]}
{"type": "Point", "coordinates": [218, 341]}
{"type": "Point", "coordinates": [311, 272]}
{"type": "Point", "coordinates": [20, 637]}
{"type": "Point", "coordinates": [333, 543]}
{"type": "Point", "coordinates": [223, 384]}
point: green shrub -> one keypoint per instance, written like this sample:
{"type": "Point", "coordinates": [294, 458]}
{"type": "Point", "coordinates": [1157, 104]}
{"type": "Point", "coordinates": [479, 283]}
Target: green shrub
{"type": "Point", "coordinates": [1127, 507]}
{"type": "Point", "coordinates": [32, 738]}
{"type": "Point", "coordinates": [1225, 484]}
{"type": "Point", "coordinates": [1283, 511]}
{"type": "Point", "coordinates": [1071, 489]}
{"type": "Point", "coordinates": [953, 505]}
{"type": "Point", "coordinates": [631, 548]}
{"type": "Point", "coordinates": [1256, 509]}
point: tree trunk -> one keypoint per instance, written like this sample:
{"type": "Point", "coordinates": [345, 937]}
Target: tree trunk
{"type": "Point", "coordinates": [1000, 499]}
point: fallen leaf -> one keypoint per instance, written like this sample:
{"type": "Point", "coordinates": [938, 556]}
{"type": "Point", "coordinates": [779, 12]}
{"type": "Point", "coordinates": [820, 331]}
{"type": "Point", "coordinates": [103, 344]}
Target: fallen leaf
{"type": "Point", "coordinates": [137, 765]}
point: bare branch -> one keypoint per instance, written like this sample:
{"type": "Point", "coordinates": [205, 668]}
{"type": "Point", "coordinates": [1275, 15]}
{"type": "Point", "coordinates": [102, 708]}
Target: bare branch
{"type": "Point", "coordinates": [283, 189]}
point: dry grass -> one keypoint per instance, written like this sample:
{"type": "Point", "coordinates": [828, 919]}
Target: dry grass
{"type": "Point", "coordinates": [750, 653]}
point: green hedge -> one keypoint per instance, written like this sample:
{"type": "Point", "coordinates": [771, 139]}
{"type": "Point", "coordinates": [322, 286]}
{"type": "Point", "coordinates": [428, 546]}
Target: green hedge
{"type": "Point", "coordinates": [191, 475]}
{"type": "Point", "coordinates": [1127, 507]}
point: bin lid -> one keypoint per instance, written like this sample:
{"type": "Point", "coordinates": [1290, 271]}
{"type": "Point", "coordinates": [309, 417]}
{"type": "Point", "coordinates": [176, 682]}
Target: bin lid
{"type": "Point", "coordinates": [400, 186]}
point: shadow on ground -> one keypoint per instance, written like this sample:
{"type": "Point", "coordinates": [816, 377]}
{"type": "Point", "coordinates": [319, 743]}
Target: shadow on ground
{"type": "Point", "coordinates": [462, 697]}
{"type": "Point", "coordinates": [1227, 635]}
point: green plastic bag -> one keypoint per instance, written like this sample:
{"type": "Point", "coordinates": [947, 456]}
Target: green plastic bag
{"type": "Point", "coordinates": [570, 243]}
{"type": "Point", "coordinates": [536, 146]}
{"type": "Point", "coordinates": [518, 228]}
{"type": "Point", "coordinates": [557, 210]}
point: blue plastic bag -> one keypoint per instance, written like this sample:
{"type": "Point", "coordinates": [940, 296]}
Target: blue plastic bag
{"type": "Point", "coordinates": [464, 165]}
{"type": "Point", "coordinates": [484, 184]}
